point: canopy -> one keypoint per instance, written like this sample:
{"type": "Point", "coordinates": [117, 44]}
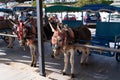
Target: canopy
{"type": "Point", "coordinates": [61, 8]}
{"type": "Point", "coordinates": [99, 7]}
{"type": "Point", "coordinates": [22, 8]}
{"type": "Point", "coordinates": [6, 10]}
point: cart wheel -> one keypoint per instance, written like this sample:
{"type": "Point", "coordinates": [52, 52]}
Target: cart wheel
{"type": "Point", "coordinates": [6, 38]}
{"type": "Point", "coordinates": [118, 55]}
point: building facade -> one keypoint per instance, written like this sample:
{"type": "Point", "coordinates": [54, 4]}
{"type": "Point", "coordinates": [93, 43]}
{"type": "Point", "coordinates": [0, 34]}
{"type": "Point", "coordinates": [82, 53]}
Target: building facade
{"type": "Point", "coordinates": [53, 1]}
{"type": "Point", "coordinates": [116, 3]}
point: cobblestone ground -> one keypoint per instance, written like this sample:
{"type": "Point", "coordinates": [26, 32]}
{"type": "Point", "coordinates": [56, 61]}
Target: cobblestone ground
{"type": "Point", "coordinates": [99, 67]}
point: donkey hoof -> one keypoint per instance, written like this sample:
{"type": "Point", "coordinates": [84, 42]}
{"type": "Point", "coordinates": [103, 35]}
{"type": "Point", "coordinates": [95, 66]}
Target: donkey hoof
{"type": "Point", "coordinates": [52, 56]}
{"type": "Point", "coordinates": [34, 65]}
{"type": "Point", "coordinates": [64, 73]}
{"type": "Point", "coordinates": [31, 65]}
{"type": "Point", "coordinates": [90, 54]}
{"type": "Point", "coordinates": [81, 63]}
{"type": "Point", "coordinates": [86, 63]}
{"type": "Point", "coordinates": [72, 76]}
{"type": "Point", "coordinates": [9, 47]}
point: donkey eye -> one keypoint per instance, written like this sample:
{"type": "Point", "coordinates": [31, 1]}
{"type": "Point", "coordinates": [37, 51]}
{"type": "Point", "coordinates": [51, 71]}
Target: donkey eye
{"type": "Point", "coordinates": [60, 40]}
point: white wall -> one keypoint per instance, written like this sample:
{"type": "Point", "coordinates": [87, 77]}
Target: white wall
{"type": "Point", "coordinates": [116, 1]}
{"type": "Point", "coordinates": [52, 1]}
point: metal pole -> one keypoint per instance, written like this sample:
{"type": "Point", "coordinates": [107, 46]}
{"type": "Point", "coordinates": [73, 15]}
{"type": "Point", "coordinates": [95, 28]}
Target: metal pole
{"type": "Point", "coordinates": [32, 1]}
{"type": "Point", "coordinates": [109, 17]}
{"type": "Point", "coordinates": [40, 37]}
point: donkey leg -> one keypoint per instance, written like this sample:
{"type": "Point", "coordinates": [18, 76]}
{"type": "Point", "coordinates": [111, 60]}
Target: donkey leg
{"type": "Point", "coordinates": [32, 56]}
{"type": "Point", "coordinates": [65, 63]}
{"type": "Point", "coordinates": [83, 56]}
{"type": "Point", "coordinates": [10, 45]}
{"type": "Point", "coordinates": [72, 63]}
{"type": "Point", "coordinates": [32, 62]}
{"type": "Point", "coordinates": [87, 57]}
{"type": "Point", "coordinates": [35, 55]}
{"type": "Point", "coordinates": [23, 48]}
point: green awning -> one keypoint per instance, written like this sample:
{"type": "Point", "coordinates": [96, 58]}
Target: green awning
{"type": "Point", "coordinates": [61, 8]}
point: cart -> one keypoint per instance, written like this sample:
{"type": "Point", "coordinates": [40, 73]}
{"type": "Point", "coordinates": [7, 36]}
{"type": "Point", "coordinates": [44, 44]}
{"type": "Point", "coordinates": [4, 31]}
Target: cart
{"type": "Point", "coordinates": [5, 25]}
{"type": "Point", "coordinates": [107, 33]}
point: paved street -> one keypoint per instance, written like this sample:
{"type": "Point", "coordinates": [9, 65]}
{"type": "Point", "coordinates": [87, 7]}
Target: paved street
{"type": "Point", "coordinates": [14, 65]}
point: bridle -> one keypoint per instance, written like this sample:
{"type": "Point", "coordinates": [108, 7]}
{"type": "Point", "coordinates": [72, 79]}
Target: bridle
{"type": "Point", "coordinates": [25, 33]}
{"type": "Point", "coordinates": [58, 39]}
{"type": "Point", "coordinates": [62, 37]}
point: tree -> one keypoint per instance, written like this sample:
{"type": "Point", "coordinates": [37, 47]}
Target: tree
{"type": "Point", "coordinates": [20, 1]}
{"type": "Point", "coordinates": [34, 4]}
{"type": "Point", "coordinates": [85, 2]}
{"type": "Point", "coordinates": [106, 1]}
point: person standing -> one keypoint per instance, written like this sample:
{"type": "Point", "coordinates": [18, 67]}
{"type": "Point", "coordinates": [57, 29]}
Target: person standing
{"type": "Point", "coordinates": [22, 17]}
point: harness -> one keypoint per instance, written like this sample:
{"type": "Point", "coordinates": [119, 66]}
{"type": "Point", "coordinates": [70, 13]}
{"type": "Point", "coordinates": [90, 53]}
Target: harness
{"type": "Point", "coordinates": [56, 37]}
{"type": "Point", "coordinates": [32, 32]}
{"type": "Point", "coordinates": [26, 32]}
{"type": "Point", "coordinates": [20, 30]}
{"type": "Point", "coordinates": [67, 37]}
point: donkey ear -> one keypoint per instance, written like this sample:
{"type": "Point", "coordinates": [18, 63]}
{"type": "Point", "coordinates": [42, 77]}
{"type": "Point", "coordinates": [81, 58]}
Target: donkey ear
{"type": "Point", "coordinates": [60, 29]}
{"type": "Point", "coordinates": [53, 30]}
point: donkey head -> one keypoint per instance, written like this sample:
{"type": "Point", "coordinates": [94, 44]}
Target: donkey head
{"type": "Point", "coordinates": [58, 40]}
{"type": "Point", "coordinates": [61, 39]}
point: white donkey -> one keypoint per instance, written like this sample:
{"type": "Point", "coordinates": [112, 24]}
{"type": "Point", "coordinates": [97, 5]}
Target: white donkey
{"type": "Point", "coordinates": [63, 41]}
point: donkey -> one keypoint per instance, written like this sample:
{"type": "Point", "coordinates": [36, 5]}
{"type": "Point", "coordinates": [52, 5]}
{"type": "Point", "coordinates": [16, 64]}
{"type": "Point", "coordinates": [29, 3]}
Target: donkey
{"type": "Point", "coordinates": [27, 35]}
{"type": "Point", "coordinates": [63, 41]}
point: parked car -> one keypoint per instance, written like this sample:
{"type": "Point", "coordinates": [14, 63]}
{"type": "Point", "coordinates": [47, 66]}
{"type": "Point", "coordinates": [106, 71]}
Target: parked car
{"type": "Point", "coordinates": [69, 17]}
{"type": "Point", "coordinates": [115, 18]}
{"type": "Point", "coordinates": [91, 18]}
{"type": "Point", "coordinates": [28, 2]}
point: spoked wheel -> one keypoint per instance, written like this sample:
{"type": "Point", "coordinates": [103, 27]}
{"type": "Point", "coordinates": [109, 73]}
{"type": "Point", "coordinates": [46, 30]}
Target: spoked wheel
{"type": "Point", "coordinates": [6, 38]}
{"type": "Point", "coordinates": [118, 55]}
